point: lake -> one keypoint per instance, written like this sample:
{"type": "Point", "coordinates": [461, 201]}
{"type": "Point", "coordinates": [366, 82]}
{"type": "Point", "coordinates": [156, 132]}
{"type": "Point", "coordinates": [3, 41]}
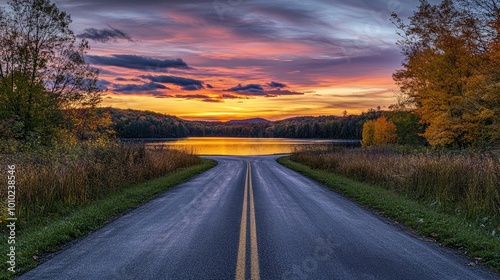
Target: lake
{"type": "Point", "coordinates": [244, 146]}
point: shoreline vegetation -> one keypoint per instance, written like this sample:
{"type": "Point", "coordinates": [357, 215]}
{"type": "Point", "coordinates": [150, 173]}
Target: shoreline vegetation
{"type": "Point", "coordinates": [66, 193]}
{"type": "Point", "coordinates": [452, 197]}
{"type": "Point", "coordinates": [145, 124]}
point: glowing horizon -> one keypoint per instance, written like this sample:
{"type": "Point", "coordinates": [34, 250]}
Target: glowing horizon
{"type": "Point", "coordinates": [225, 60]}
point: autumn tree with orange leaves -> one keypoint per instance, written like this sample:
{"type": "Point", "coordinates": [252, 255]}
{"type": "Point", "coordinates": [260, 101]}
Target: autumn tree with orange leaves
{"type": "Point", "coordinates": [451, 71]}
{"type": "Point", "coordinates": [379, 132]}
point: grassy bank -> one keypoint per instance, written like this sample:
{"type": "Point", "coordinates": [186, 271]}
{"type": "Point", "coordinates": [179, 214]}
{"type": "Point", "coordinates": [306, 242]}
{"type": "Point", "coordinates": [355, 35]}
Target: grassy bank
{"type": "Point", "coordinates": [478, 236]}
{"type": "Point", "coordinates": [52, 182]}
{"type": "Point", "coordinates": [35, 241]}
{"type": "Point", "coordinates": [457, 181]}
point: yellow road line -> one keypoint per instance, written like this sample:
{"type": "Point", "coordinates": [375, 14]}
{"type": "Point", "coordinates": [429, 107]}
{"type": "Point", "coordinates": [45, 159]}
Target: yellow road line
{"type": "Point", "coordinates": [254, 253]}
{"type": "Point", "coordinates": [241, 263]}
{"type": "Point", "coordinates": [255, 271]}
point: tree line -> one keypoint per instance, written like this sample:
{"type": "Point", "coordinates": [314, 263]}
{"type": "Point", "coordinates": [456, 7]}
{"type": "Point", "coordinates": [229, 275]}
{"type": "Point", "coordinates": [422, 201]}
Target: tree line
{"type": "Point", "coordinates": [144, 124]}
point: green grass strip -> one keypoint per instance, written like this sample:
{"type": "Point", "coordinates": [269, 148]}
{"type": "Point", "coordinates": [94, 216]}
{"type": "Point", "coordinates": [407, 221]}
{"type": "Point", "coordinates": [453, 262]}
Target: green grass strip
{"type": "Point", "coordinates": [449, 230]}
{"type": "Point", "coordinates": [50, 238]}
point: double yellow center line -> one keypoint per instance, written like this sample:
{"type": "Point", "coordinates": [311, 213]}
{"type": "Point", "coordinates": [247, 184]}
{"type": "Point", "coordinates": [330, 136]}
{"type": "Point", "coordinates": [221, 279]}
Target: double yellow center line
{"type": "Point", "coordinates": [242, 247]}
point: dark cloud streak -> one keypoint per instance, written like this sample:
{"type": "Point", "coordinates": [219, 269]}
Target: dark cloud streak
{"type": "Point", "coordinates": [104, 35]}
{"type": "Point", "coordinates": [185, 83]}
{"type": "Point", "coordinates": [274, 84]}
{"type": "Point", "coordinates": [150, 88]}
{"type": "Point", "coordinates": [137, 62]}
{"type": "Point", "coordinates": [250, 88]}
{"type": "Point", "coordinates": [258, 90]}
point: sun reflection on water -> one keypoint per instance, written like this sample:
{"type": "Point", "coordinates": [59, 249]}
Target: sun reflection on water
{"type": "Point", "coordinates": [241, 146]}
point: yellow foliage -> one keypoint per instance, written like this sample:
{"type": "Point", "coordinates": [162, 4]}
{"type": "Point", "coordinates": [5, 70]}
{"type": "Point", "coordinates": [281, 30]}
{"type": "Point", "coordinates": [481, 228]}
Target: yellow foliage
{"type": "Point", "coordinates": [453, 77]}
{"type": "Point", "coordinates": [368, 133]}
{"type": "Point", "coordinates": [379, 132]}
{"type": "Point", "coordinates": [87, 124]}
{"type": "Point", "coordinates": [385, 132]}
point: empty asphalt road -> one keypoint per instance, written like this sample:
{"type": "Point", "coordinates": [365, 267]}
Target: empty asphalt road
{"type": "Point", "coordinates": [251, 218]}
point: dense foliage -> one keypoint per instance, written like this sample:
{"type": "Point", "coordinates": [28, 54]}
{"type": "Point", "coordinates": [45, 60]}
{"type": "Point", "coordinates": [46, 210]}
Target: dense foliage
{"type": "Point", "coordinates": [451, 70]}
{"type": "Point", "coordinates": [379, 132]}
{"type": "Point", "coordinates": [47, 91]}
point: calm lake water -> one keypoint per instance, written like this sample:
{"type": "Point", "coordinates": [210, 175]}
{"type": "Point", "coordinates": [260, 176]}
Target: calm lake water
{"type": "Point", "coordinates": [244, 146]}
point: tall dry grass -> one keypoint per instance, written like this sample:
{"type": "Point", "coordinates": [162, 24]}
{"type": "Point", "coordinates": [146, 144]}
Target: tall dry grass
{"type": "Point", "coordinates": [52, 182]}
{"type": "Point", "coordinates": [466, 182]}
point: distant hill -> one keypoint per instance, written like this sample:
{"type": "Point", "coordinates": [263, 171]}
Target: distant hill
{"type": "Point", "coordinates": [252, 120]}
{"type": "Point", "coordinates": [146, 124]}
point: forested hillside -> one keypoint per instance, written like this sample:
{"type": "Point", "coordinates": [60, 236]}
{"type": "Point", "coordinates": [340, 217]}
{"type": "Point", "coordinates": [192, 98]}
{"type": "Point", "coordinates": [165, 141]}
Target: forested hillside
{"type": "Point", "coordinates": [145, 124]}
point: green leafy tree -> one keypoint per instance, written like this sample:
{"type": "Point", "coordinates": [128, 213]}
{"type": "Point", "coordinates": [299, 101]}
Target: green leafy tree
{"type": "Point", "coordinates": [407, 127]}
{"type": "Point", "coordinates": [42, 69]}
{"type": "Point", "coordinates": [29, 105]}
{"type": "Point", "coordinates": [407, 122]}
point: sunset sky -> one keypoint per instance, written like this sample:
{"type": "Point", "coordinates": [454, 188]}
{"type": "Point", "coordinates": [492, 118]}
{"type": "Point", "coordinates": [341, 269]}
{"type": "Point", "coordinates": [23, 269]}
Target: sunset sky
{"type": "Point", "coordinates": [235, 59]}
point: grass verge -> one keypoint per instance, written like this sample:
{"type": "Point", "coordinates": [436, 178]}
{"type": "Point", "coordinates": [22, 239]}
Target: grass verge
{"type": "Point", "coordinates": [34, 242]}
{"type": "Point", "coordinates": [450, 230]}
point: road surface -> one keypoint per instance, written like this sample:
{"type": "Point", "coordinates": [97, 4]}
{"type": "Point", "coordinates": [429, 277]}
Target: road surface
{"type": "Point", "coordinates": [251, 218]}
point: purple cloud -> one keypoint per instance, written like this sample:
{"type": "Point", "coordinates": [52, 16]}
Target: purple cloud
{"type": "Point", "coordinates": [137, 62]}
